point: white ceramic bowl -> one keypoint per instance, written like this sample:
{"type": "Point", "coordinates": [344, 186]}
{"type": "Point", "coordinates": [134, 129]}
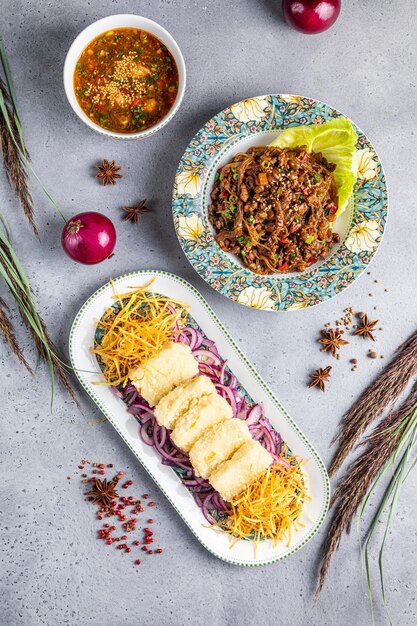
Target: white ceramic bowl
{"type": "Point", "coordinates": [101, 26]}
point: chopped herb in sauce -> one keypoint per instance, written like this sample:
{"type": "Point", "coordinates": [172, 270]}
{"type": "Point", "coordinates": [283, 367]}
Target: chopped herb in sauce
{"type": "Point", "coordinates": [126, 80]}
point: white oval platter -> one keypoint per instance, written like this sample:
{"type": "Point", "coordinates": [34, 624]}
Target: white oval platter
{"type": "Point", "coordinates": [87, 371]}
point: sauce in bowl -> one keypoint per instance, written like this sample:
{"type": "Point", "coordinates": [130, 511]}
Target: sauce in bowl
{"type": "Point", "coordinates": [126, 80]}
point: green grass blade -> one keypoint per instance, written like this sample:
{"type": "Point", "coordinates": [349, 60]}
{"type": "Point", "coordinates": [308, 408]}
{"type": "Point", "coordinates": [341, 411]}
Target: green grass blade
{"type": "Point", "coordinates": [369, 584]}
{"type": "Point", "coordinates": [407, 421]}
{"type": "Point", "coordinates": [390, 498]}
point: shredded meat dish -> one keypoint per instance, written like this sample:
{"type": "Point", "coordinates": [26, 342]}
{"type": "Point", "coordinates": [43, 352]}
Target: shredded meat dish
{"type": "Point", "coordinates": [274, 208]}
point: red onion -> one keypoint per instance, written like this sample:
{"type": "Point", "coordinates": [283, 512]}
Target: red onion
{"type": "Point", "coordinates": [311, 16]}
{"type": "Point", "coordinates": [89, 237]}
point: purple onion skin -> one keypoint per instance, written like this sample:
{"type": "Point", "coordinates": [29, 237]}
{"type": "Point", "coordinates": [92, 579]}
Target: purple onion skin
{"type": "Point", "coordinates": [311, 16]}
{"type": "Point", "coordinates": [89, 238]}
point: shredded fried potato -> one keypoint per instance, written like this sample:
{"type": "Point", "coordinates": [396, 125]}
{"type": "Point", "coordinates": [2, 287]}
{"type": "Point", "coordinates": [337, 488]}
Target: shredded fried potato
{"type": "Point", "coordinates": [270, 507]}
{"type": "Point", "coordinates": [137, 331]}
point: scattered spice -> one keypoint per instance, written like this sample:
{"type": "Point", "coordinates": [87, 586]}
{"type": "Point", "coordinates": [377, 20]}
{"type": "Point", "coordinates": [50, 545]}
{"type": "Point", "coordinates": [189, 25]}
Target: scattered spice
{"type": "Point", "coordinates": [320, 377]}
{"type": "Point", "coordinates": [108, 172]}
{"type": "Point", "coordinates": [372, 354]}
{"type": "Point", "coordinates": [104, 495]}
{"type": "Point", "coordinates": [332, 340]}
{"type": "Point", "coordinates": [355, 365]}
{"type": "Point", "coordinates": [104, 492]}
{"type": "Point", "coordinates": [132, 212]}
{"type": "Point", "coordinates": [367, 327]}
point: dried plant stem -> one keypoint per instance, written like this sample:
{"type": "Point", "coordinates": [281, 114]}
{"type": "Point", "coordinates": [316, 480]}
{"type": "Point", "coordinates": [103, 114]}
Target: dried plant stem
{"type": "Point", "coordinates": [15, 155]}
{"type": "Point", "coordinates": [378, 396]}
{"type": "Point", "coordinates": [7, 330]}
{"type": "Point", "coordinates": [382, 448]}
{"type": "Point", "coordinates": [13, 275]}
{"type": "Point", "coordinates": [13, 162]}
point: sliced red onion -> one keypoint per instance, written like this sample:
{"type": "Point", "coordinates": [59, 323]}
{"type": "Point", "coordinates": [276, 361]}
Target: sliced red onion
{"type": "Point", "coordinates": [143, 406]}
{"type": "Point", "coordinates": [254, 415]}
{"type": "Point", "coordinates": [241, 406]}
{"type": "Point", "coordinates": [211, 365]}
{"type": "Point", "coordinates": [171, 459]}
{"type": "Point", "coordinates": [205, 507]}
{"type": "Point", "coordinates": [118, 393]}
{"type": "Point", "coordinates": [219, 503]}
{"type": "Point", "coordinates": [283, 461]}
{"type": "Point", "coordinates": [222, 373]}
{"type": "Point", "coordinates": [207, 371]}
{"type": "Point", "coordinates": [255, 431]}
{"type": "Point", "coordinates": [163, 436]}
{"type": "Point", "coordinates": [135, 410]}
{"type": "Point", "coordinates": [210, 345]}
{"type": "Point", "coordinates": [194, 336]}
{"type": "Point", "coordinates": [190, 482]}
{"type": "Point", "coordinates": [207, 356]}
{"type": "Point", "coordinates": [145, 436]}
{"type": "Point", "coordinates": [233, 382]}
{"type": "Point", "coordinates": [227, 394]}
{"type": "Point", "coordinates": [268, 441]}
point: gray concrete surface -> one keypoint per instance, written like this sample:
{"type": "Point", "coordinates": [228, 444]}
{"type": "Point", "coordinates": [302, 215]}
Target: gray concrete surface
{"type": "Point", "coordinates": [53, 570]}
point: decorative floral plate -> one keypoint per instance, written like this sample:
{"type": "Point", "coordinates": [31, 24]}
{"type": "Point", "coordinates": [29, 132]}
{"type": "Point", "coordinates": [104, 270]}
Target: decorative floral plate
{"type": "Point", "coordinates": [257, 121]}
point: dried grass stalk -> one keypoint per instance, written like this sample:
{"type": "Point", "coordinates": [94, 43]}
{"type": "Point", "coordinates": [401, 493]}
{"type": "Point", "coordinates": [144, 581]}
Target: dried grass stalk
{"type": "Point", "coordinates": [12, 157]}
{"type": "Point", "coordinates": [381, 444]}
{"type": "Point", "coordinates": [387, 387]}
{"type": "Point", "coordinates": [7, 330]}
{"type": "Point", "coordinates": [15, 279]}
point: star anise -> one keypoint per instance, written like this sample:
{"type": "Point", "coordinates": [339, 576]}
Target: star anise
{"type": "Point", "coordinates": [366, 328]}
{"type": "Point", "coordinates": [332, 340]}
{"type": "Point", "coordinates": [320, 377]}
{"type": "Point", "coordinates": [132, 212]}
{"type": "Point", "coordinates": [104, 492]}
{"type": "Point", "coordinates": [108, 172]}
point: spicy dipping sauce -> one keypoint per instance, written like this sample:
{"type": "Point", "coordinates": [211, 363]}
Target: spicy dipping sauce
{"type": "Point", "coordinates": [126, 80]}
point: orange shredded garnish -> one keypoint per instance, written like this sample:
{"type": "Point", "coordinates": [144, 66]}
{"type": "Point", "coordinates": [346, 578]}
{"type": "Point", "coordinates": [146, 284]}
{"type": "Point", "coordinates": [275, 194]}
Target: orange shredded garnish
{"type": "Point", "coordinates": [137, 331]}
{"type": "Point", "coordinates": [270, 507]}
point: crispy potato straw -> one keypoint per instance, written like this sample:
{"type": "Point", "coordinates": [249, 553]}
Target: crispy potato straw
{"type": "Point", "coordinates": [270, 507]}
{"type": "Point", "coordinates": [138, 331]}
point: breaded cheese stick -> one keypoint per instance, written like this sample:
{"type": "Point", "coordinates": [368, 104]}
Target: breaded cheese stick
{"type": "Point", "coordinates": [246, 465]}
{"type": "Point", "coordinates": [179, 400]}
{"type": "Point", "coordinates": [173, 365]}
{"type": "Point", "coordinates": [217, 444]}
{"type": "Point", "coordinates": [202, 414]}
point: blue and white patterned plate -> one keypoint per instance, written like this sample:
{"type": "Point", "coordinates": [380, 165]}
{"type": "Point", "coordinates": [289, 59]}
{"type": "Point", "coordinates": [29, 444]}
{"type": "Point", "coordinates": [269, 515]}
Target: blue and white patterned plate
{"type": "Point", "coordinates": [257, 121]}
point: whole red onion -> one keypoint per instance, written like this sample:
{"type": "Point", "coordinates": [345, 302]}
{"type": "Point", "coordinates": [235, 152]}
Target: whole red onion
{"type": "Point", "coordinates": [89, 237]}
{"type": "Point", "coordinates": [311, 16]}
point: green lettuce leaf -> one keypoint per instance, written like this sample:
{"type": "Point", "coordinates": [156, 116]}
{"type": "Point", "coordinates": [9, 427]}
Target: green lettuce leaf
{"type": "Point", "coordinates": [336, 141]}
